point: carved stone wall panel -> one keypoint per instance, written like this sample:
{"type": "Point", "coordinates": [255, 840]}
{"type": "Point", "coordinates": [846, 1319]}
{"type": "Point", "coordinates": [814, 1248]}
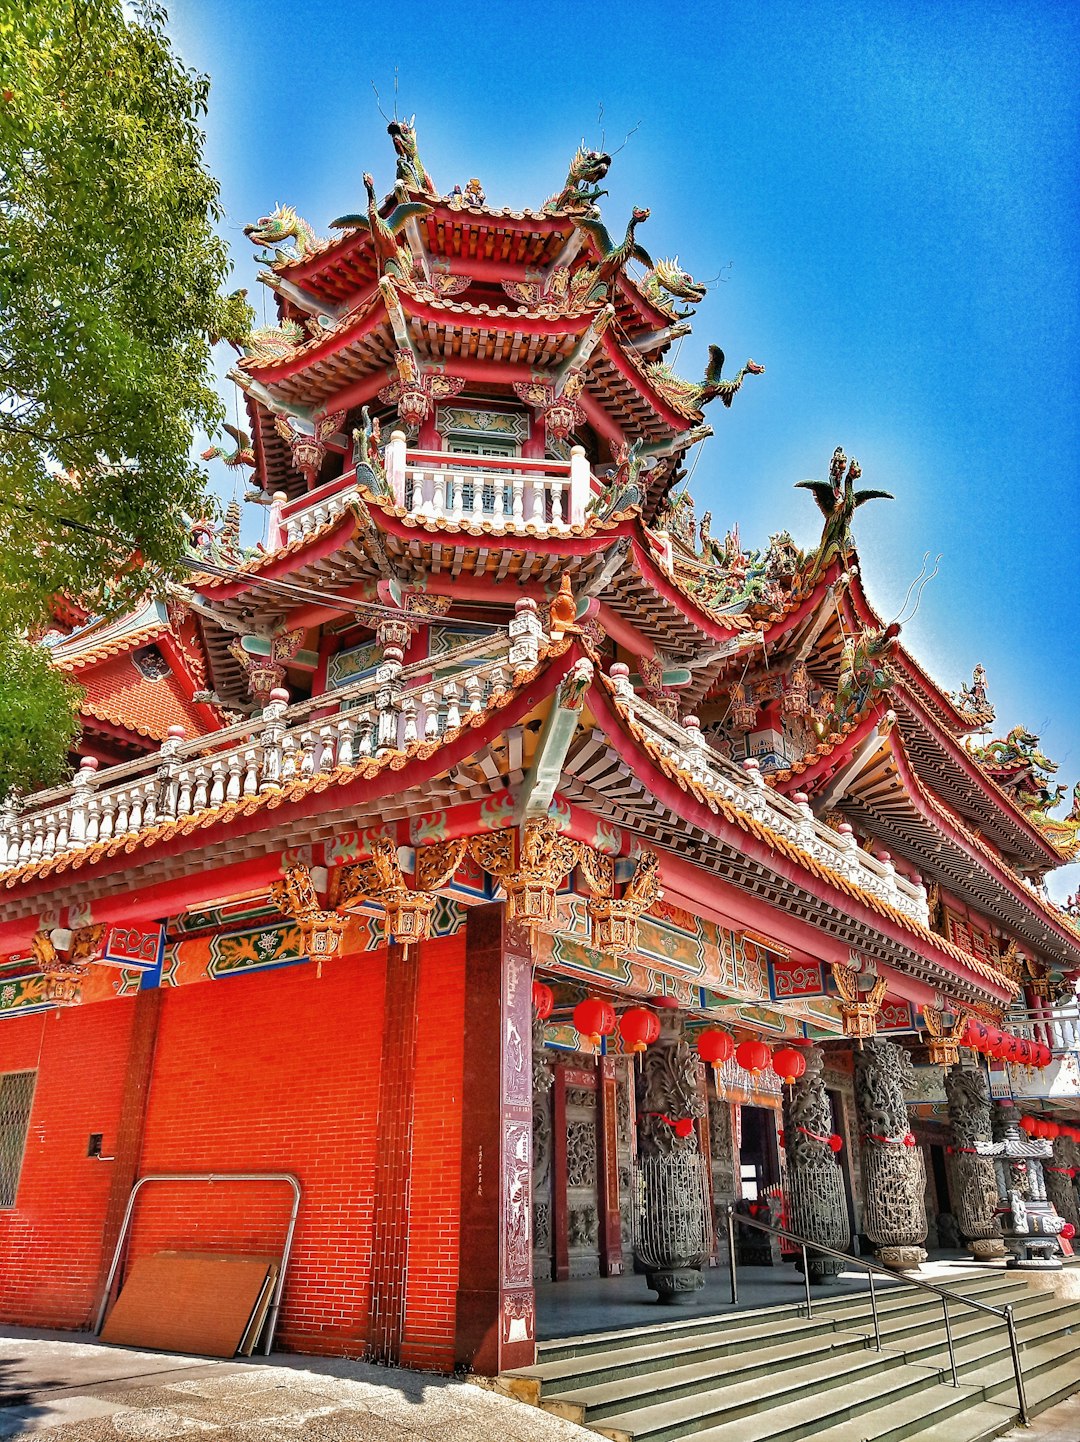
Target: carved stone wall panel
{"type": "Point", "coordinates": [583, 1226]}
{"type": "Point", "coordinates": [722, 1144]}
{"type": "Point", "coordinates": [542, 1176]}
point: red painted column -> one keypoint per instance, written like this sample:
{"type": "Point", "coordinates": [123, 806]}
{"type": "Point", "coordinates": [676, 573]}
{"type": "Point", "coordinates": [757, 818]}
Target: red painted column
{"type": "Point", "coordinates": [560, 1221]}
{"type": "Point", "coordinates": [390, 1219]}
{"type": "Point", "coordinates": [496, 1304]}
{"type": "Point", "coordinates": [607, 1124]}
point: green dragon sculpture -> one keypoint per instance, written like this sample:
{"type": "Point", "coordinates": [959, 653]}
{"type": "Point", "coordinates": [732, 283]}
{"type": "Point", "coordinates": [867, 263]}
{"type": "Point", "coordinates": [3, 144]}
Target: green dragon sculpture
{"type": "Point", "coordinates": [623, 490]}
{"type": "Point", "coordinates": [865, 672]}
{"type": "Point", "coordinates": [367, 457]}
{"type": "Point", "coordinates": [282, 224]}
{"type": "Point", "coordinates": [273, 342]}
{"type": "Point", "coordinates": [613, 258]}
{"type": "Point", "coordinates": [393, 257]}
{"type": "Point", "coordinates": [579, 192]}
{"type": "Point", "coordinates": [837, 500]}
{"type": "Point", "coordinates": [1062, 833]}
{"type": "Point", "coordinates": [1018, 751]}
{"type": "Point", "coordinates": [243, 453]}
{"type": "Point", "coordinates": [692, 395]}
{"type": "Point", "coordinates": [410, 168]}
{"type": "Point", "coordinates": [667, 281]}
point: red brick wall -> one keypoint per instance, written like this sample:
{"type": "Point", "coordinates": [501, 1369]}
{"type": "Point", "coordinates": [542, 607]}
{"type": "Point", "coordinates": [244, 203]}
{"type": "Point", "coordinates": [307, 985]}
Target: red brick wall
{"type": "Point", "coordinates": [51, 1240]}
{"type": "Point", "coordinates": [277, 1071]}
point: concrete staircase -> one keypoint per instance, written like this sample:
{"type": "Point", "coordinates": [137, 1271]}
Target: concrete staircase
{"type": "Point", "coordinates": [774, 1376]}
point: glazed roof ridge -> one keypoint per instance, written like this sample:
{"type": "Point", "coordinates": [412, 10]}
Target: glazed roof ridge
{"type": "Point", "coordinates": [763, 831]}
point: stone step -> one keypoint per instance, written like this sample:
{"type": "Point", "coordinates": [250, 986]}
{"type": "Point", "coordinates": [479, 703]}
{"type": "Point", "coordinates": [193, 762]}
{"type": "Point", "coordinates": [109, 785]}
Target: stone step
{"type": "Point", "coordinates": [1051, 1373]}
{"type": "Point", "coordinates": [800, 1416]}
{"type": "Point", "coordinates": [746, 1382]}
{"type": "Point", "coordinates": [929, 1417]}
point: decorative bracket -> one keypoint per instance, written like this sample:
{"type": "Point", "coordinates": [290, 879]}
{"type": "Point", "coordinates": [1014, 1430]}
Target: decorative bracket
{"type": "Point", "coordinates": [64, 970]}
{"type": "Point", "coordinates": [407, 913]}
{"type": "Point", "coordinates": [945, 1040]}
{"type": "Point", "coordinates": [615, 919]}
{"type": "Point", "coordinates": [861, 997]}
{"type": "Point", "coordinates": [296, 897]}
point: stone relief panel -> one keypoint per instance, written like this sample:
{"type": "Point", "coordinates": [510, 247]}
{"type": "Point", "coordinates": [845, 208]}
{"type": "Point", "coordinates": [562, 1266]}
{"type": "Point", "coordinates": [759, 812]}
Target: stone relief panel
{"type": "Point", "coordinates": [583, 1223]}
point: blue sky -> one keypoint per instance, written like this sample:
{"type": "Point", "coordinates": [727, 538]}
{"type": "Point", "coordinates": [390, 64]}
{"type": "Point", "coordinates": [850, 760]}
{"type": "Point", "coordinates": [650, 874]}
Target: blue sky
{"type": "Point", "coordinates": [888, 191]}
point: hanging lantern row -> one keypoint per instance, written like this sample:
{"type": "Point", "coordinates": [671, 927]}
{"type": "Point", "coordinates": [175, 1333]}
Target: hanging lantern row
{"type": "Point", "coordinates": [1048, 1131]}
{"type": "Point", "coordinates": [1004, 1046]}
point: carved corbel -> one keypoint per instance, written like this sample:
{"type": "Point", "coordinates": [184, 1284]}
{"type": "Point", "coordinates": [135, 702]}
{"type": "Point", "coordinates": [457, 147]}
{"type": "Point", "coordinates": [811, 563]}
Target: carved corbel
{"type": "Point", "coordinates": [295, 896]}
{"type": "Point", "coordinates": [861, 997]}
{"type": "Point", "coordinates": [946, 1031]}
{"type": "Point", "coordinates": [308, 448]}
{"type": "Point", "coordinates": [544, 860]}
{"type": "Point", "coordinates": [63, 968]}
{"type": "Point", "coordinates": [407, 914]}
{"type": "Point", "coordinates": [615, 919]}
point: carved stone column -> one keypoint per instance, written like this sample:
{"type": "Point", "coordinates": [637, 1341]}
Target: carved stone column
{"type": "Point", "coordinates": [672, 1231]}
{"type": "Point", "coordinates": [1059, 1172]}
{"type": "Point", "coordinates": [496, 1305]}
{"type": "Point", "coordinates": [893, 1174]}
{"type": "Point", "coordinates": [974, 1186]}
{"type": "Point", "coordinates": [815, 1185]}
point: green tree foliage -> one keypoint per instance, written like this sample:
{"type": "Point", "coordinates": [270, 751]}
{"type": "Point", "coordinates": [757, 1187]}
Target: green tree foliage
{"type": "Point", "coordinates": [39, 718]}
{"type": "Point", "coordinates": [110, 279]}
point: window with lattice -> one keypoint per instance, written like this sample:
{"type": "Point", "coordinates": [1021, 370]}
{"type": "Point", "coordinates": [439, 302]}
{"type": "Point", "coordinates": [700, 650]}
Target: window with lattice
{"type": "Point", "coordinates": [16, 1096]}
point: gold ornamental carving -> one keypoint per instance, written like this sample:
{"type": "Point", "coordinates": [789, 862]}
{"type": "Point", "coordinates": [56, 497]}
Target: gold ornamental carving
{"type": "Point", "coordinates": [407, 914]}
{"type": "Point", "coordinates": [944, 1041]}
{"type": "Point", "coordinates": [544, 860]}
{"type": "Point", "coordinates": [858, 1007]}
{"type": "Point", "coordinates": [615, 919]}
{"type": "Point", "coordinates": [63, 971]}
{"type": "Point", "coordinates": [295, 896]}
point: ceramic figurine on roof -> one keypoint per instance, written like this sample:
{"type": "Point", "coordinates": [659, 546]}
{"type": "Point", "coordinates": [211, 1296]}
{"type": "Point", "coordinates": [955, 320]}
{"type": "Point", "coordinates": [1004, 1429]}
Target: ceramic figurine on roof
{"type": "Point", "coordinates": [394, 257]}
{"type": "Point", "coordinates": [242, 453]}
{"type": "Point", "coordinates": [272, 342]}
{"type": "Point", "coordinates": [281, 224]}
{"type": "Point", "coordinates": [1019, 768]}
{"type": "Point", "coordinates": [614, 258]}
{"type": "Point", "coordinates": [837, 500]}
{"type": "Point", "coordinates": [410, 168]}
{"type": "Point", "coordinates": [580, 192]}
{"type": "Point", "coordinates": [687, 393]}
{"type": "Point", "coordinates": [972, 701]}
{"type": "Point", "coordinates": [1063, 832]}
{"type": "Point", "coordinates": [667, 282]}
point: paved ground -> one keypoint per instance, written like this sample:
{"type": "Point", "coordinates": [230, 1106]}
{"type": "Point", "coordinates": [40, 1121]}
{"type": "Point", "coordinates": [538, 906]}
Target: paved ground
{"type": "Point", "coordinates": [54, 1387]}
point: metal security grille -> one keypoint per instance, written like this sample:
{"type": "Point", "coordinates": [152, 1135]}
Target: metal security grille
{"type": "Point", "coordinates": [16, 1095]}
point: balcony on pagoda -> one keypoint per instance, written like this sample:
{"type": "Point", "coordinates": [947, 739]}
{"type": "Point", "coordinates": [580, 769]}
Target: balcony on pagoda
{"type": "Point", "coordinates": [505, 495]}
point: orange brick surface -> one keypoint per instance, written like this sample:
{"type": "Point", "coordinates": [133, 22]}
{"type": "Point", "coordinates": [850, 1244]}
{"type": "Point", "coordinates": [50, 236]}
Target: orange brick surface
{"type": "Point", "coordinates": [273, 1071]}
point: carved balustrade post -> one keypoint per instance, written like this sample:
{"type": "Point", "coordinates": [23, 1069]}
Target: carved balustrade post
{"type": "Point", "coordinates": [815, 1185]}
{"type": "Point", "coordinates": [672, 1232]}
{"type": "Point", "coordinates": [893, 1174]}
{"type": "Point", "coordinates": [974, 1186]}
{"type": "Point", "coordinates": [1060, 1172]}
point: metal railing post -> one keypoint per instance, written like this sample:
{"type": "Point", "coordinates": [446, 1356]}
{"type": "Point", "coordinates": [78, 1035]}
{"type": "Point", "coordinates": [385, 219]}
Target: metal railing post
{"type": "Point", "coordinates": [806, 1281]}
{"type": "Point", "coordinates": [1014, 1348]}
{"type": "Point", "coordinates": [731, 1254]}
{"type": "Point", "coordinates": [873, 1308]}
{"type": "Point", "coordinates": [948, 1339]}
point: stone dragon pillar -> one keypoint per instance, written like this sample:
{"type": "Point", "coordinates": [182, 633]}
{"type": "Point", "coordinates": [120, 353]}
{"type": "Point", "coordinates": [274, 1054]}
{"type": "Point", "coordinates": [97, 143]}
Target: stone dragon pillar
{"type": "Point", "coordinates": [672, 1232]}
{"type": "Point", "coordinates": [815, 1186]}
{"type": "Point", "coordinates": [893, 1175]}
{"type": "Point", "coordinates": [974, 1185]}
{"type": "Point", "coordinates": [1059, 1173]}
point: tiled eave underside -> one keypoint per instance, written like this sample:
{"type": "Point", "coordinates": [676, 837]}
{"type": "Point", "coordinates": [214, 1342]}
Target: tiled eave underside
{"type": "Point", "coordinates": [938, 770]}
{"type": "Point", "coordinates": [597, 778]}
{"type": "Point", "coordinates": [878, 803]}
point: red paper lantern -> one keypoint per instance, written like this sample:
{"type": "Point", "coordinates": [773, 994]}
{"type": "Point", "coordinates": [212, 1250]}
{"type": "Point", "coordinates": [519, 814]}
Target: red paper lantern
{"type": "Point", "coordinates": [1024, 1051]}
{"type": "Point", "coordinates": [1029, 1125]}
{"type": "Point", "coordinates": [638, 1028]}
{"type": "Point", "coordinates": [992, 1040]}
{"type": "Point", "coordinates": [715, 1046]}
{"type": "Point", "coordinates": [836, 1142]}
{"type": "Point", "coordinates": [1051, 1131]}
{"type": "Point", "coordinates": [752, 1056]}
{"type": "Point", "coordinates": [543, 999]}
{"type": "Point", "coordinates": [788, 1064]}
{"type": "Point", "coordinates": [975, 1035]}
{"type": "Point", "coordinates": [594, 1019]}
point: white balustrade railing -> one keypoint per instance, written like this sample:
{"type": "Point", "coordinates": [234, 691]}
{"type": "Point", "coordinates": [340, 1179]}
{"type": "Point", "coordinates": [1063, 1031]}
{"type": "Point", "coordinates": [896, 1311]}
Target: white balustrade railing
{"type": "Point", "coordinates": [505, 494]}
{"type": "Point", "coordinates": [378, 714]}
{"type": "Point", "coordinates": [743, 786]}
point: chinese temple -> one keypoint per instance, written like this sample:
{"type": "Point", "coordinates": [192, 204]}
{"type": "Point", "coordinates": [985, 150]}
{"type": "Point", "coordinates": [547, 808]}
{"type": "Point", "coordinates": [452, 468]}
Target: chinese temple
{"type": "Point", "coordinates": [517, 870]}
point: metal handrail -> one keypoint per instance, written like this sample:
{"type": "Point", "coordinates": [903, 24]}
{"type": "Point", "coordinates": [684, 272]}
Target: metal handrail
{"type": "Point", "coordinates": [1004, 1314]}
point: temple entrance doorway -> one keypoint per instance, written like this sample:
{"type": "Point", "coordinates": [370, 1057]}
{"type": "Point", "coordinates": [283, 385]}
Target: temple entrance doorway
{"type": "Point", "coordinates": [759, 1156]}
